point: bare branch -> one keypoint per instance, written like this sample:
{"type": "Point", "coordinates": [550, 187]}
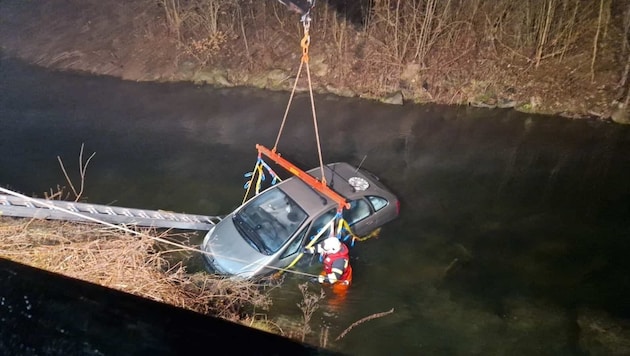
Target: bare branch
{"type": "Point", "coordinates": [361, 321]}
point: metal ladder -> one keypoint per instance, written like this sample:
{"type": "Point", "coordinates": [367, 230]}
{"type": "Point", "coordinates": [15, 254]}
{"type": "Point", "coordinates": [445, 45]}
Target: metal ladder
{"type": "Point", "coordinates": [64, 210]}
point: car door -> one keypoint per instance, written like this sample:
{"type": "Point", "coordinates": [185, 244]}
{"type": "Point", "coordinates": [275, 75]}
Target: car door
{"type": "Point", "coordinates": [360, 217]}
{"type": "Point", "coordinates": [305, 236]}
{"type": "Point", "coordinates": [382, 210]}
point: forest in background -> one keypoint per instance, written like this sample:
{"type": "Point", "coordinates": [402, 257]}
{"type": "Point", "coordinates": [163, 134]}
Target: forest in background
{"type": "Point", "coordinates": [560, 57]}
{"type": "Point", "coordinates": [454, 51]}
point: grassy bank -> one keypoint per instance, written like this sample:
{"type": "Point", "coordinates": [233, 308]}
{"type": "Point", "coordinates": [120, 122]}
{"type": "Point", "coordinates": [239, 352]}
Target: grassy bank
{"type": "Point", "coordinates": [566, 57]}
{"type": "Point", "coordinates": [137, 264]}
{"type": "Point", "coordinates": [134, 264]}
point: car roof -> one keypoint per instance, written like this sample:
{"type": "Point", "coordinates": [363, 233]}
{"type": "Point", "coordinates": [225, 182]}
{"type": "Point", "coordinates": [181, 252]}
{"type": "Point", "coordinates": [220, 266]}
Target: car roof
{"type": "Point", "coordinates": [306, 197]}
{"type": "Point", "coordinates": [337, 178]}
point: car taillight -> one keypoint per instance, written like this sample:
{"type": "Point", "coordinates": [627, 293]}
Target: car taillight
{"type": "Point", "coordinates": [397, 207]}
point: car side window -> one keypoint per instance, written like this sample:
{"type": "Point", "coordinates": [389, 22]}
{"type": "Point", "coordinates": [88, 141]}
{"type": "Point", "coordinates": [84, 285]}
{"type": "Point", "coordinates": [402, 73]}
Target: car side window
{"type": "Point", "coordinates": [320, 222]}
{"type": "Point", "coordinates": [299, 242]}
{"type": "Point", "coordinates": [378, 203]}
{"type": "Point", "coordinates": [358, 211]}
{"type": "Point", "coordinates": [295, 245]}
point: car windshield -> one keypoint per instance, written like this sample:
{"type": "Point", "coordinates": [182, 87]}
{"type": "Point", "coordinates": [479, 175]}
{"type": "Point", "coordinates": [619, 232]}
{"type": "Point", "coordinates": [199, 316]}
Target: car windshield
{"type": "Point", "coordinates": [269, 220]}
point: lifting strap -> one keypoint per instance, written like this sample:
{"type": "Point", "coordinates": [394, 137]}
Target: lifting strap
{"type": "Point", "coordinates": [258, 176]}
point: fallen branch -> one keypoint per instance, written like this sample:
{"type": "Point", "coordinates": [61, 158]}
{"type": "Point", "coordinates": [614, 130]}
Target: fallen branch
{"type": "Point", "coordinates": [367, 318]}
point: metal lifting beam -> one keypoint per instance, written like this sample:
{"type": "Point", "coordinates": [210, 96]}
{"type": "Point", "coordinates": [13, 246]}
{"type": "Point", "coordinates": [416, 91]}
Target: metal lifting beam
{"type": "Point", "coordinates": [304, 176]}
{"type": "Point", "coordinates": [64, 210]}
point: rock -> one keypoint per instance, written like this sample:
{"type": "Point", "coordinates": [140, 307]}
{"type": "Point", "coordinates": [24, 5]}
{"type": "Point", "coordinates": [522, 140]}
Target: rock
{"type": "Point", "coordinates": [504, 103]}
{"type": "Point", "coordinates": [480, 104]}
{"type": "Point", "coordinates": [345, 92]}
{"type": "Point", "coordinates": [620, 115]}
{"type": "Point", "coordinates": [259, 81]}
{"type": "Point", "coordinates": [276, 79]}
{"type": "Point", "coordinates": [394, 99]}
{"type": "Point", "coordinates": [215, 76]}
{"type": "Point", "coordinates": [570, 115]}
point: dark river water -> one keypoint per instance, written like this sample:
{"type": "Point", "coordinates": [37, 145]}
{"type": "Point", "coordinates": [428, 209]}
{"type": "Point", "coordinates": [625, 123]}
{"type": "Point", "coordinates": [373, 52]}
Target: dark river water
{"type": "Point", "coordinates": [513, 237]}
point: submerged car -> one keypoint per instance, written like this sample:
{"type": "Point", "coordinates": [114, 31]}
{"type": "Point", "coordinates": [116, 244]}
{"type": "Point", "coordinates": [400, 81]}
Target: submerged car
{"type": "Point", "coordinates": [270, 230]}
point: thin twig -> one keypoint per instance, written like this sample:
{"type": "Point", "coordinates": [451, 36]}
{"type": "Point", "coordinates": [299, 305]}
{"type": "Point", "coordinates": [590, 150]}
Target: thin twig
{"type": "Point", "coordinates": [82, 171]}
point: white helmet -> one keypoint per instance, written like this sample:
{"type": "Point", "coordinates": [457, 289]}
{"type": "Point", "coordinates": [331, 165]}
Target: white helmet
{"type": "Point", "coordinates": [331, 245]}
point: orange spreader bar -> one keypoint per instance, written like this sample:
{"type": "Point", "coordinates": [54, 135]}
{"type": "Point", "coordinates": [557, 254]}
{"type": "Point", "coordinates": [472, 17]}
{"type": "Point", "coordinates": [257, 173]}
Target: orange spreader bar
{"type": "Point", "coordinates": [305, 177]}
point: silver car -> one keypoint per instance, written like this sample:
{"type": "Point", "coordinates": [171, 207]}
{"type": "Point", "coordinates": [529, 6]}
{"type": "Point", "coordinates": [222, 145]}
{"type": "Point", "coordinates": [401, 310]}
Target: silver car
{"type": "Point", "coordinates": [271, 229]}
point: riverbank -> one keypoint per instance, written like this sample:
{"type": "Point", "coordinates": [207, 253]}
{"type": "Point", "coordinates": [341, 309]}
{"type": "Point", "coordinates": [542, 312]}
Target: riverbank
{"type": "Point", "coordinates": [138, 264]}
{"type": "Point", "coordinates": [577, 70]}
{"type": "Point", "coordinates": [135, 264]}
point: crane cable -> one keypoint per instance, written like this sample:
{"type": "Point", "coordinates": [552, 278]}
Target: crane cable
{"type": "Point", "coordinates": [304, 43]}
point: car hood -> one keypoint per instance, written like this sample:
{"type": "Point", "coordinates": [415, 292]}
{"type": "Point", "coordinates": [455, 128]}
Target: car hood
{"type": "Point", "coordinates": [230, 253]}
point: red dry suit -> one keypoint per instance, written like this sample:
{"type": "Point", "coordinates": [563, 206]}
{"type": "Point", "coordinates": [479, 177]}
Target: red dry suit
{"type": "Point", "coordinates": [337, 269]}
{"type": "Point", "coordinates": [338, 272]}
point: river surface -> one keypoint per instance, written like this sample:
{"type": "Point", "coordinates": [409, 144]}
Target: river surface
{"type": "Point", "coordinates": [513, 237]}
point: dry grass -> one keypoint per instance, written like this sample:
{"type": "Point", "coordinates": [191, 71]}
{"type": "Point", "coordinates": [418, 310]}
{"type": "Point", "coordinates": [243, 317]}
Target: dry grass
{"type": "Point", "coordinates": [136, 264]}
{"type": "Point", "coordinates": [196, 27]}
{"type": "Point", "coordinates": [435, 50]}
{"type": "Point", "coordinates": [133, 264]}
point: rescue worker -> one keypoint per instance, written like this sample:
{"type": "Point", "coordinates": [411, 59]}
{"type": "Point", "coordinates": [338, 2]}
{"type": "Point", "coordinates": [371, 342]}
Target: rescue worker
{"type": "Point", "coordinates": [337, 269]}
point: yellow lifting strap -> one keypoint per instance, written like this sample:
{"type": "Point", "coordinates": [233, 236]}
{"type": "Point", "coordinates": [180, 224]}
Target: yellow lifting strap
{"type": "Point", "coordinates": [304, 43]}
{"type": "Point", "coordinates": [311, 243]}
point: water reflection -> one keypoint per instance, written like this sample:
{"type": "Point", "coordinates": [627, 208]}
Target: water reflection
{"type": "Point", "coordinates": [513, 233]}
